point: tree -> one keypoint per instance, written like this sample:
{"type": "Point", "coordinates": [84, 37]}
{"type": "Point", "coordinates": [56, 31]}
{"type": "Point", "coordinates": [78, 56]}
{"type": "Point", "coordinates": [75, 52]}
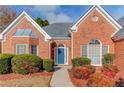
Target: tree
{"type": "Point", "coordinates": [45, 23]}
{"type": "Point", "coordinates": [41, 22]}
{"type": "Point", "coordinates": [6, 17]}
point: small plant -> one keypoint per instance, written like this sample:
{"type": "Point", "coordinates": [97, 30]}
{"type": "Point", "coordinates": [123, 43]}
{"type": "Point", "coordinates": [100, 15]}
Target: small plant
{"type": "Point", "coordinates": [26, 63]}
{"type": "Point", "coordinates": [80, 61]}
{"type": "Point", "coordinates": [100, 80]}
{"type": "Point", "coordinates": [110, 70]}
{"type": "Point", "coordinates": [81, 72]}
{"type": "Point", "coordinates": [109, 58]}
{"type": "Point", "coordinates": [120, 82]}
{"type": "Point", "coordinates": [48, 65]}
{"type": "Point", "coordinates": [5, 63]}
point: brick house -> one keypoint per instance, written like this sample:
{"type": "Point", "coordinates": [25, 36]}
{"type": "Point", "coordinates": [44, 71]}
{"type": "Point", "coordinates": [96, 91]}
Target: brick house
{"type": "Point", "coordinates": [93, 35]}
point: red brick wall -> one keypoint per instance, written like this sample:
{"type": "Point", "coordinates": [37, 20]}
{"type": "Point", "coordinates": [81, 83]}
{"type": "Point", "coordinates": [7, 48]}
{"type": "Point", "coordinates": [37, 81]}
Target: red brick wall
{"type": "Point", "coordinates": [119, 53]}
{"type": "Point", "coordinates": [87, 30]}
{"type": "Point", "coordinates": [10, 42]}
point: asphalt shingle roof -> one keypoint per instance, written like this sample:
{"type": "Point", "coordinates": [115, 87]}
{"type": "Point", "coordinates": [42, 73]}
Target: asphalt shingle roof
{"type": "Point", "coordinates": [119, 34]}
{"type": "Point", "coordinates": [58, 30]}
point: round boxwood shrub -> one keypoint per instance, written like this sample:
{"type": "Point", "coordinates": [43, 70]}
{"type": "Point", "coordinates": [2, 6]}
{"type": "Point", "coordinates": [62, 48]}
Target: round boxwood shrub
{"type": "Point", "coordinates": [5, 63]}
{"type": "Point", "coordinates": [80, 61]}
{"type": "Point", "coordinates": [48, 65]}
{"type": "Point", "coordinates": [26, 63]}
{"type": "Point", "coordinates": [109, 58]}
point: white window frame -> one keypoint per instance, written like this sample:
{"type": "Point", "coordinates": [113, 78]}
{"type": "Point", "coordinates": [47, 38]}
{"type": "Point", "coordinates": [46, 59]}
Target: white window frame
{"type": "Point", "coordinates": [100, 53]}
{"type": "Point", "coordinates": [27, 51]}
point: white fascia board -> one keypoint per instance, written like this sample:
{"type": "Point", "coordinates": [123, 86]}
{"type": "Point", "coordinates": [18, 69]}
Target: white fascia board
{"type": "Point", "coordinates": [60, 38]}
{"type": "Point", "coordinates": [24, 14]}
{"type": "Point", "coordinates": [75, 25]}
{"type": "Point", "coordinates": [101, 11]}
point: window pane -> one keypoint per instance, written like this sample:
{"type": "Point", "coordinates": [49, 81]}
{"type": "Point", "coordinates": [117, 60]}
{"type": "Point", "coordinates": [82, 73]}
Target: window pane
{"type": "Point", "coordinates": [34, 49]}
{"type": "Point", "coordinates": [66, 59]}
{"type": "Point", "coordinates": [94, 53]}
{"type": "Point", "coordinates": [84, 50]}
{"type": "Point", "coordinates": [104, 49]}
{"type": "Point", "coordinates": [94, 41]}
{"type": "Point", "coordinates": [19, 32]}
{"type": "Point", "coordinates": [27, 32]}
{"type": "Point", "coordinates": [32, 34]}
{"type": "Point", "coordinates": [21, 49]}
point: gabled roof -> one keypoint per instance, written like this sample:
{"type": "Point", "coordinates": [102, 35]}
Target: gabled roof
{"type": "Point", "coordinates": [101, 11]}
{"type": "Point", "coordinates": [58, 30]}
{"type": "Point", "coordinates": [22, 15]}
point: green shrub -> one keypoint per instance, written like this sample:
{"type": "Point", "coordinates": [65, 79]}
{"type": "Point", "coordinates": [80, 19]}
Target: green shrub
{"type": "Point", "coordinates": [5, 63]}
{"type": "Point", "coordinates": [100, 80]}
{"type": "Point", "coordinates": [26, 63]}
{"type": "Point", "coordinates": [108, 58]}
{"type": "Point", "coordinates": [80, 61]}
{"type": "Point", "coordinates": [23, 71]}
{"type": "Point", "coordinates": [48, 65]}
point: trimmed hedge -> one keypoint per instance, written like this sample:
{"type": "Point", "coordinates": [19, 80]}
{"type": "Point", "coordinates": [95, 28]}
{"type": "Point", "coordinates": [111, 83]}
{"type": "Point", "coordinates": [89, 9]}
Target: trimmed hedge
{"type": "Point", "coordinates": [80, 61]}
{"type": "Point", "coordinates": [109, 58]}
{"type": "Point", "coordinates": [48, 65]}
{"type": "Point", "coordinates": [26, 63]}
{"type": "Point", "coordinates": [5, 63]}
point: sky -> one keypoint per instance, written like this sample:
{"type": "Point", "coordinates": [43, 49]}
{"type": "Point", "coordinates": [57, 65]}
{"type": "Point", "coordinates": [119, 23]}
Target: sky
{"type": "Point", "coordinates": [64, 13]}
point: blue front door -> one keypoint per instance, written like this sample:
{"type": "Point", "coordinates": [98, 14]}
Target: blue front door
{"type": "Point", "coordinates": [60, 56]}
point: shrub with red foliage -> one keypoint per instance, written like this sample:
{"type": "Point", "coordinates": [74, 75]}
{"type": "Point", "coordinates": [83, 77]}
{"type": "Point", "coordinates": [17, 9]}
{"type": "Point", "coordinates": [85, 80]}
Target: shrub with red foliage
{"type": "Point", "coordinates": [110, 70]}
{"type": "Point", "coordinates": [76, 82]}
{"type": "Point", "coordinates": [110, 74]}
{"type": "Point", "coordinates": [91, 68]}
{"type": "Point", "coordinates": [81, 72]}
{"type": "Point", "coordinates": [100, 80]}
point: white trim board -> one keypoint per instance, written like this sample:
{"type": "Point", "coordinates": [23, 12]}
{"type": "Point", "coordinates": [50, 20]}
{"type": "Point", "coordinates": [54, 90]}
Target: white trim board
{"type": "Point", "coordinates": [101, 11]}
{"type": "Point", "coordinates": [21, 16]}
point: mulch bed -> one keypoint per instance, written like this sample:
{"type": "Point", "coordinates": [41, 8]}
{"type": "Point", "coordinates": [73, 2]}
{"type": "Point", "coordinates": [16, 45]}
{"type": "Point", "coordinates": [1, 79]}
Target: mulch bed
{"type": "Point", "coordinates": [12, 76]}
{"type": "Point", "coordinates": [77, 82]}
{"type": "Point", "coordinates": [82, 83]}
{"type": "Point", "coordinates": [119, 74]}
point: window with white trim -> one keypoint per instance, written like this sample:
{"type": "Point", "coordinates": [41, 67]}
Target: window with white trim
{"type": "Point", "coordinates": [21, 49]}
{"type": "Point", "coordinates": [84, 50]}
{"type": "Point", "coordinates": [34, 49]}
{"type": "Point", "coordinates": [104, 49]}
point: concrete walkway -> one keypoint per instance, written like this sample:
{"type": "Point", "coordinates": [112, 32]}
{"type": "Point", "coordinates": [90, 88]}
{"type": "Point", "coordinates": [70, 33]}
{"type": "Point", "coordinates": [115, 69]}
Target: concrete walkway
{"type": "Point", "coordinates": [60, 77]}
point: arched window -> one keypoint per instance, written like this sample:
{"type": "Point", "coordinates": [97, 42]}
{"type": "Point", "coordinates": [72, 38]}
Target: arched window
{"type": "Point", "coordinates": [60, 45]}
{"type": "Point", "coordinates": [94, 42]}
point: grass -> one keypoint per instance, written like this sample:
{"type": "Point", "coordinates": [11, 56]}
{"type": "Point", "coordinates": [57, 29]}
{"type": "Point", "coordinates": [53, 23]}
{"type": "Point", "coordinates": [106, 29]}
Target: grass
{"type": "Point", "coordinates": [26, 81]}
